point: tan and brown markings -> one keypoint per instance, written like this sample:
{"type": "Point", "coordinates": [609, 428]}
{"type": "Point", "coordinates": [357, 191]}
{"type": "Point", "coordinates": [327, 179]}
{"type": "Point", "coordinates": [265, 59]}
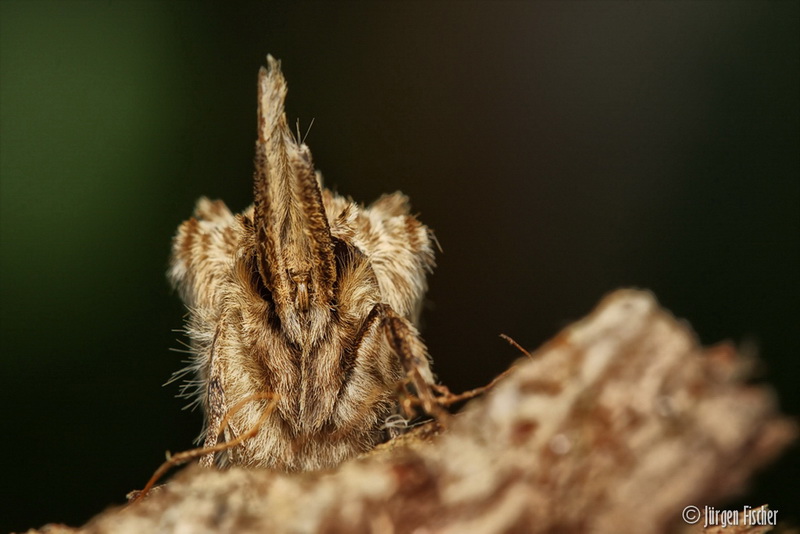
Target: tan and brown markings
{"type": "Point", "coordinates": [306, 296]}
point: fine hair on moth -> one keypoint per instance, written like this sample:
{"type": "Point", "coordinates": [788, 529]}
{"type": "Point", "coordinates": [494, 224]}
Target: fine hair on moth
{"type": "Point", "coordinates": [305, 302]}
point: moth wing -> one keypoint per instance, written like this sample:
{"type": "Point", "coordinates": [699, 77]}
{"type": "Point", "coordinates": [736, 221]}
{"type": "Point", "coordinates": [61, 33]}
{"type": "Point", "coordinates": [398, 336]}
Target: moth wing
{"type": "Point", "coordinates": [202, 250]}
{"type": "Point", "coordinates": [400, 250]}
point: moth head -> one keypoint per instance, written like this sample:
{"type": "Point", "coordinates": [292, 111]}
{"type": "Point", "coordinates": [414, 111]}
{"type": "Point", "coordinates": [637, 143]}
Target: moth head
{"type": "Point", "coordinates": [294, 247]}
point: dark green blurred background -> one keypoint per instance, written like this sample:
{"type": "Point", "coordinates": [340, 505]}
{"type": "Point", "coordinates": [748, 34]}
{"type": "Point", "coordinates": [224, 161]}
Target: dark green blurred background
{"type": "Point", "coordinates": [559, 150]}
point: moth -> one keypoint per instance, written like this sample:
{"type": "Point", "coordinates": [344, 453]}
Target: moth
{"type": "Point", "coordinates": [305, 296]}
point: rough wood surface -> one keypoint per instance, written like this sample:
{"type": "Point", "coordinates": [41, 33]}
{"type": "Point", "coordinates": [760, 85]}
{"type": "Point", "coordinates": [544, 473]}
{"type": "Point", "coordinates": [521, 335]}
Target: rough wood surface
{"type": "Point", "coordinates": [613, 426]}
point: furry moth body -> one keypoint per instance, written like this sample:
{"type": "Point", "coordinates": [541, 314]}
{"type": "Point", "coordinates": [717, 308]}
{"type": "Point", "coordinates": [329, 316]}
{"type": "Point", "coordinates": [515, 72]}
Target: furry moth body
{"type": "Point", "coordinates": [305, 295]}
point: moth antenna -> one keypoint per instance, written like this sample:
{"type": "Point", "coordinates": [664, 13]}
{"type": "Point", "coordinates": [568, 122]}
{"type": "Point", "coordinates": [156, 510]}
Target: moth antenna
{"type": "Point", "coordinates": [516, 345]}
{"type": "Point", "coordinates": [174, 460]}
{"type": "Point", "coordinates": [448, 398]}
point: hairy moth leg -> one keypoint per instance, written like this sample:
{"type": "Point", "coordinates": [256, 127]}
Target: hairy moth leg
{"type": "Point", "coordinates": [405, 341]}
{"type": "Point", "coordinates": [216, 406]}
{"type": "Point", "coordinates": [217, 410]}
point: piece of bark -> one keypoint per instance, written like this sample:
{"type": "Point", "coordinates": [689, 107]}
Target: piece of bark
{"type": "Point", "coordinates": [615, 426]}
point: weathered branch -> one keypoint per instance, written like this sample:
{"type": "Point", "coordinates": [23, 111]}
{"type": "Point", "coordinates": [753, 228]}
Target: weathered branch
{"type": "Point", "coordinates": [614, 426]}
